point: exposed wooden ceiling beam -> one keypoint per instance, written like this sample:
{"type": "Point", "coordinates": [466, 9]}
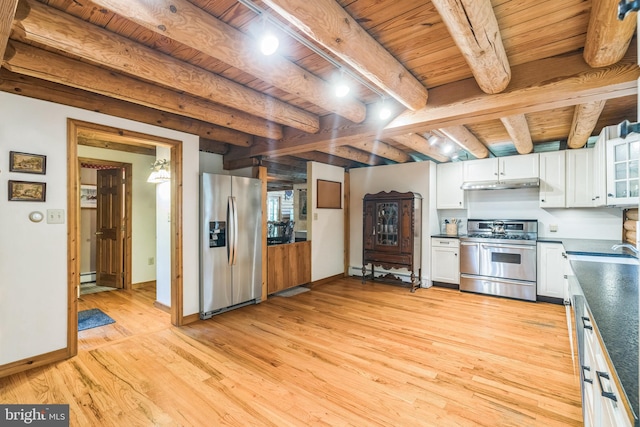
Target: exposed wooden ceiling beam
{"type": "Point", "coordinates": [536, 86]}
{"type": "Point", "coordinates": [585, 118]}
{"type": "Point", "coordinates": [326, 22]}
{"type": "Point", "coordinates": [216, 147]}
{"type": "Point", "coordinates": [518, 130]}
{"type": "Point", "coordinates": [28, 60]}
{"type": "Point", "coordinates": [65, 95]}
{"type": "Point", "coordinates": [50, 27]}
{"type": "Point", "coordinates": [474, 28]}
{"type": "Point", "coordinates": [7, 13]}
{"type": "Point", "coordinates": [421, 145]}
{"type": "Point", "coordinates": [382, 149]}
{"type": "Point", "coordinates": [277, 168]}
{"type": "Point", "coordinates": [607, 38]}
{"type": "Point", "coordinates": [354, 154]}
{"type": "Point", "coordinates": [465, 139]}
{"type": "Point", "coordinates": [181, 21]}
{"type": "Point", "coordinates": [293, 163]}
{"type": "Point", "coordinates": [316, 156]}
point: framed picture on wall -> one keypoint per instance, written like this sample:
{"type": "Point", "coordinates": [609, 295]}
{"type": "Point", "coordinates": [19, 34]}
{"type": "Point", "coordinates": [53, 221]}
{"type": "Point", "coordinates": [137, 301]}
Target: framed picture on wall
{"type": "Point", "coordinates": [88, 196]}
{"type": "Point", "coordinates": [27, 191]}
{"type": "Point", "coordinates": [27, 163]}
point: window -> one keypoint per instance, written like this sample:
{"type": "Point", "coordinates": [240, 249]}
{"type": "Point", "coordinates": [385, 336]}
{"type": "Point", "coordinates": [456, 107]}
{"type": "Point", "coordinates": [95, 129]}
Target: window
{"type": "Point", "coordinates": [273, 208]}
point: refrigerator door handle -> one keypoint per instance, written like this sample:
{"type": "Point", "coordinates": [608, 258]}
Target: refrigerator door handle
{"type": "Point", "coordinates": [230, 231]}
{"type": "Point", "coordinates": [234, 230]}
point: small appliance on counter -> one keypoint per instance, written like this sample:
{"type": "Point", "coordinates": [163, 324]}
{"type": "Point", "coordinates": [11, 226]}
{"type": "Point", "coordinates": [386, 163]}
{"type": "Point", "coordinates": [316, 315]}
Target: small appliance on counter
{"type": "Point", "coordinates": [498, 257]}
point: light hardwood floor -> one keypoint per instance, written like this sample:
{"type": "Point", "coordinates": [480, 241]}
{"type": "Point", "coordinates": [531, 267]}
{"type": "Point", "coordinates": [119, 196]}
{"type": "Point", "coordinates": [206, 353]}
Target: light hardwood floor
{"type": "Point", "coordinates": [342, 354]}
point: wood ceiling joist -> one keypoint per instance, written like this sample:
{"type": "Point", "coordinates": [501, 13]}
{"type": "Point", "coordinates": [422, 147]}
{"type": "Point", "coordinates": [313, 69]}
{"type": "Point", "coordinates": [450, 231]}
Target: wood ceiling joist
{"type": "Point", "coordinates": [607, 38]}
{"type": "Point", "coordinates": [354, 154]}
{"type": "Point", "coordinates": [537, 86]}
{"type": "Point", "coordinates": [118, 146]}
{"type": "Point", "coordinates": [316, 156]}
{"type": "Point", "coordinates": [326, 22]}
{"type": "Point", "coordinates": [65, 95]}
{"type": "Point", "coordinates": [7, 13]}
{"type": "Point", "coordinates": [28, 60]}
{"type": "Point", "coordinates": [418, 143]}
{"type": "Point", "coordinates": [47, 26]}
{"type": "Point", "coordinates": [518, 129]}
{"type": "Point", "coordinates": [465, 139]}
{"type": "Point", "coordinates": [191, 26]}
{"type": "Point", "coordinates": [585, 118]}
{"type": "Point", "coordinates": [210, 146]}
{"type": "Point", "coordinates": [474, 28]}
{"type": "Point", "coordinates": [382, 149]}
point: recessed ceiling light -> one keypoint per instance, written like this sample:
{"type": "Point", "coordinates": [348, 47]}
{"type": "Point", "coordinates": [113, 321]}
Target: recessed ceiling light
{"type": "Point", "coordinates": [269, 44]}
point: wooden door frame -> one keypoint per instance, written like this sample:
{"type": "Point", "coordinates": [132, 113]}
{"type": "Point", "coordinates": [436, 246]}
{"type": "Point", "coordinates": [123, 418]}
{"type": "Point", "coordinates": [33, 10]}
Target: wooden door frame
{"type": "Point", "coordinates": [128, 195]}
{"type": "Point", "coordinates": [119, 137]}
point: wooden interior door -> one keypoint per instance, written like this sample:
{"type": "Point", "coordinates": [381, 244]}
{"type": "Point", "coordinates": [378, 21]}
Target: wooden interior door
{"type": "Point", "coordinates": [109, 228]}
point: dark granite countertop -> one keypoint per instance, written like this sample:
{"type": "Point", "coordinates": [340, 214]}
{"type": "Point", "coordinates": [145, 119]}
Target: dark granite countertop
{"type": "Point", "coordinates": [611, 292]}
{"type": "Point", "coordinates": [592, 247]}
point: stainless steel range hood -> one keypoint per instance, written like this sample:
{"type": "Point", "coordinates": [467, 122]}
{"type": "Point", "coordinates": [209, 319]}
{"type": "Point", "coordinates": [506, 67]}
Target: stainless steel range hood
{"type": "Point", "coordinates": [501, 185]}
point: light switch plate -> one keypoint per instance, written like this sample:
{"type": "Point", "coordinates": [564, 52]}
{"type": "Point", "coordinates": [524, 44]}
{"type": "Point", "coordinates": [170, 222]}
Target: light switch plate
{"type": "Point", "coordinates": [553, 228]}
{"type": "Point", "coordinates": [55, 216]}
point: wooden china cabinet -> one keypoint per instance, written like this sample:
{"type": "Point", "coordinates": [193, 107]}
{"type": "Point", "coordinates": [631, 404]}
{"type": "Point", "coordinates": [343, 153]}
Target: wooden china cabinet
{"type": "Point", "coordinates": [392, 235]}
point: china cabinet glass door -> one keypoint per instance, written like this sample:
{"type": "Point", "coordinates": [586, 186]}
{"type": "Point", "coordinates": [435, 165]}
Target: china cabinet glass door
{"type": "Point", "coordinates": [387, 224]}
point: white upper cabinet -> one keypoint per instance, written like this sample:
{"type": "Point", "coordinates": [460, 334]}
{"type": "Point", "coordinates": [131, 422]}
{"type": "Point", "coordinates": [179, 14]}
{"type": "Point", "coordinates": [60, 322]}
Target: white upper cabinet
{"type": "Point", "coordinates": [622, 170]}
{"type": "Point", "coordinates": [580, 178]}
{"type": "Point", "coordinates": [599, 169]}
{"type": "Point", "coordinates": [449, 195]}
{"type": "Point", "coordinates": [502, 168]}
{"type": "Point", "coordinates": [552, 179]}
{"type": "Point", "coordinates": [519, 167]}
{"type": "Point", "coordinates": [481, 170]}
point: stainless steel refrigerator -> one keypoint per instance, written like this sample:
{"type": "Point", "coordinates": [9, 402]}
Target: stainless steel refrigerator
{"type": "Point", "coordinates": [230, 243]}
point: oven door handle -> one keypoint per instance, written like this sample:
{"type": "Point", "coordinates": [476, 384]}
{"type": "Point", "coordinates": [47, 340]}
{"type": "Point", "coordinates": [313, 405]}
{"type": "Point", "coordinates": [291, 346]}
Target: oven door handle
{"type": "Point", "coordinates": [501, 246]}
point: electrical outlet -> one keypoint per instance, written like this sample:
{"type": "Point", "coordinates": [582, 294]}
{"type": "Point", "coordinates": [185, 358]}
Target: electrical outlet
{"type": "Point", "coordinates": [553, 228]}
{"type": "Point", "coordinates": [315, 216]}
{"type": "Point", "coordinates": [151, 260]}
{"type": "Point", "coordinates": [55, 216]}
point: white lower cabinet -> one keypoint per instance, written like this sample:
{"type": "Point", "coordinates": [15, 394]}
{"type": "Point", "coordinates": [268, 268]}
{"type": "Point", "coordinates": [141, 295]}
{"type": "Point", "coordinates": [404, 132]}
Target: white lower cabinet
{"type": "Point", "coordinates": [602, 404]}
{"type": "Point", "coordinates": [445, 260]}
{"type": "Point", "coordinates": [552, 264]}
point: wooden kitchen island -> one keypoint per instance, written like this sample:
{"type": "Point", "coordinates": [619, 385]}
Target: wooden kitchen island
{"type": "Point", "coordinates": [288, 265]}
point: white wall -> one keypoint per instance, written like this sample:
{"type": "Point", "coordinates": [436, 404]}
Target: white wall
{"type": "Point", "coordinates": [327, 249]}
{"type": "Point", "coordinates": [143, 238]}
{"type": "Point", "coordinates": [578, 223]}
{"type": "Point", "coordinates": [33, 256]}
{"type": "Point", "coordinates": [418, 177]}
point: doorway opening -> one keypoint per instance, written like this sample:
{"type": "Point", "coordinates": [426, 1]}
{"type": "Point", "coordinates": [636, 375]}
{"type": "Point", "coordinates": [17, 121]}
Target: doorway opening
{"type": "Point", "coordinates": [105, 225]}
{"type": "Point", "coordinates": [91, 134]}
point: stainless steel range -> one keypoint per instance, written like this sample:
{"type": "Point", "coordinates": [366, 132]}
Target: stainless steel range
{"type": "Point", "coordinates": [498, 257]}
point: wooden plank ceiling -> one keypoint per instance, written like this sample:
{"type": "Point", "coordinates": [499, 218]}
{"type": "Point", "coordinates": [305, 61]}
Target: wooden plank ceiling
{"type": "Point", "coordinates": [482, 78]}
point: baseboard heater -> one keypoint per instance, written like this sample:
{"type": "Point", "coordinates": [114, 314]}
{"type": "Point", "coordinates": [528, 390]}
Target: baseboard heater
{"type": "Point", "coordinates": [88, 277]}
